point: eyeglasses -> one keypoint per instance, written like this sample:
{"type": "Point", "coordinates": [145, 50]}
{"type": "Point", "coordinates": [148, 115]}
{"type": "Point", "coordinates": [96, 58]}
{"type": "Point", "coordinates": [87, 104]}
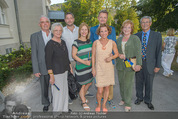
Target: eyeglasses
{"type": "Point", "coordinates": [42, 22]}
{"type": "Point", "coordinates": [145, 22]}
{"type": "Point", "coordinates": [57, 31]}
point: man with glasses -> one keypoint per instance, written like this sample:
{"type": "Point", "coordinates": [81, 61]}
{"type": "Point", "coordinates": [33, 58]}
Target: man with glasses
{"type": "Point", "coordinates": [151, 62]}
{"type": "Point", "coordinates": [38, 42]}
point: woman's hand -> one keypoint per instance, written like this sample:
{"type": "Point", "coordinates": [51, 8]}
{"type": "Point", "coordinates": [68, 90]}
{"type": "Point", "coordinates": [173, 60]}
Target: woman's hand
{"type": "Point", "coordinates": [52, 80]}
{"type": "Point", "coordinates": [108, 59]}
{"type": "Point", "coordinates": [137, 68]}
{"type": "Point", "coordinates": [122, 56]}
{"type": "Point", "coordinates": [93, 72]}
{"type": "Point", "coordinates": [71, 69]}
{"type": "Point", "coordinates": [87, 62]}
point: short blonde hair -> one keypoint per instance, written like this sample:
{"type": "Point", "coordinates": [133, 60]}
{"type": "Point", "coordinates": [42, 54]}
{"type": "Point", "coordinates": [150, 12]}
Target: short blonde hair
{"type": "Point", "coordinates": [104, 25]}
{"type": "Point", "coordinates": [170, 32]}
{"type": "Point", "coordinates": [80, 27]}
{"type": "Point", "coordinates": [127, 22]}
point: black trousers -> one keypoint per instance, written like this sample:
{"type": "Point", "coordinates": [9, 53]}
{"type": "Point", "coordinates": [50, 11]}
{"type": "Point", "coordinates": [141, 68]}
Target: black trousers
{"type": "Point", "coordinates": [144, 80]}
{"type": "Point", "coordinates": [44, 81]}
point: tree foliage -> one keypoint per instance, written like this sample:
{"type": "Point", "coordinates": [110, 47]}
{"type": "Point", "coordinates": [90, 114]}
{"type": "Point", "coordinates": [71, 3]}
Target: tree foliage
{"type": "Point", "coordinates": [84, 10]}
{"type": "Point", "coordinates": [163, 12]}
{"type": "Point", "coordinates": [124, 11]}
{"type": "Point", "coordinates": [87, 10]}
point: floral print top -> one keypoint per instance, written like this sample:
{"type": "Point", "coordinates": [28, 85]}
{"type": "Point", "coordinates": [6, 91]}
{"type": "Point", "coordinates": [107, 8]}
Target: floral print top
{"type": "Point", "coordinates": [170, 43]}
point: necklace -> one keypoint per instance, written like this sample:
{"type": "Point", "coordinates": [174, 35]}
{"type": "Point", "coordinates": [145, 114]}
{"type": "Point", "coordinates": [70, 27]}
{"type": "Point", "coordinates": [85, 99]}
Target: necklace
{"type": "Point", "coordinates": [104, 44]}
{"type": "Point", "coordinates": [103, 47]}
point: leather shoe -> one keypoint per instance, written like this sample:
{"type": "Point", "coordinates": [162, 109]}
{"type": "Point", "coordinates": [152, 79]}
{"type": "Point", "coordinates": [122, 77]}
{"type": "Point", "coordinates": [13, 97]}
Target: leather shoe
{"type": "Point", "coordinates": [150, 106]}
{"type": "Point", "coordinates": [45, 108]}
{"type": "Point", "coordinates": [69, 111]}
{"type": "Point", "coordinates": [137, 101]}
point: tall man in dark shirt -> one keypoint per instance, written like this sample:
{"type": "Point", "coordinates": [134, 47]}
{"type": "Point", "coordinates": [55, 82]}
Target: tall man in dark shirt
{"type": "Point", "coordinates": [151, 61]}
{"type": "Point", "coordinates": [38, 41]}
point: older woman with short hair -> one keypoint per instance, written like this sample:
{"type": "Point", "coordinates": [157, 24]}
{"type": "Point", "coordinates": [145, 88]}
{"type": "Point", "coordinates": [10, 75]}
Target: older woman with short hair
{"type": "Point", "coordinates": [58, 64]}
{"type": "Point", "coordinates": [129, 46]}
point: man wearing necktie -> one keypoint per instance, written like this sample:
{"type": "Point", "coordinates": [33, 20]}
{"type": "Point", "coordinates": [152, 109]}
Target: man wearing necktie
{"type": "Point", "coordinates": [151, 62]}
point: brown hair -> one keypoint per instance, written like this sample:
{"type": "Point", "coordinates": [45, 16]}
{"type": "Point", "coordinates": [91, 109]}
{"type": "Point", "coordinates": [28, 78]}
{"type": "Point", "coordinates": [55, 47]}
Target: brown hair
{"type": "Point", "coordinates": [103, 11]}
{"type": "Point", "coordinates": [70, 14]}
{"type": "Point", "coordinates": [170, 32]}
{"type": "Point", "coordinates": [80, 27]}
{"type": "Point", "coordinates": [127, 22]}
{"type": "Point", "coordinates": [104, 25]}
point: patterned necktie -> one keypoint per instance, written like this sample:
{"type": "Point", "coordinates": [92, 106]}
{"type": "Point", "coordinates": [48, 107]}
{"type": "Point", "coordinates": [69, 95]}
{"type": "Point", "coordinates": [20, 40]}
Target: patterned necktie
{"type": "Point", "coordinates": [144, 47]}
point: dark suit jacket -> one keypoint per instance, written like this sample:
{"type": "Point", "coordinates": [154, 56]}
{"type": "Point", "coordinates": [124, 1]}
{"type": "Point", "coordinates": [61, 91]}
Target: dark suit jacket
{"type": "Point", "coordinates": [38, 53]}
{"type": "Point", "coordinates": [153, 51]}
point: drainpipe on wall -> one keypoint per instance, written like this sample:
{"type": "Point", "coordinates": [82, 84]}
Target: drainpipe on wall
{"type": "Point", "coordinates": [18, 22]}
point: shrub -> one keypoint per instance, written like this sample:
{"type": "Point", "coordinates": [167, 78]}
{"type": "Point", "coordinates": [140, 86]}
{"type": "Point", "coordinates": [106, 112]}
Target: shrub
{"type": "Point", "coordinates": [4, 74]}
{"type": "Point", "coordinates": [16, 64]}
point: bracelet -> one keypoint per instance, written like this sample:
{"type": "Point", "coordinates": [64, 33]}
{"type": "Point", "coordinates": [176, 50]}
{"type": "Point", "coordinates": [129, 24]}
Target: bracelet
{"type": "Point", "coordinates": [50, 73]}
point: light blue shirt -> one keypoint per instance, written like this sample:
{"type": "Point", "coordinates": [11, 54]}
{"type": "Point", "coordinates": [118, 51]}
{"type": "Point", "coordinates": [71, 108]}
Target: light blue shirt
{"type": "Point", "coordinates": [147, 36]}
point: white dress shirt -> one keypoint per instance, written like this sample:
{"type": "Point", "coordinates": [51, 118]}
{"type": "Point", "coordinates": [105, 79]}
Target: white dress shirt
{"type": "Point", "coordinates": [45, 37]}
{"type": "Point", "coordinates": [68, 36]}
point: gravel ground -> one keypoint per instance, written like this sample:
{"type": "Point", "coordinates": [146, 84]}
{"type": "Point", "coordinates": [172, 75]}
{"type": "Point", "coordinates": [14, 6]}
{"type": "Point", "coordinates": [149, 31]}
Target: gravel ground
{"type": "Point", "coordinates": [16, 86]}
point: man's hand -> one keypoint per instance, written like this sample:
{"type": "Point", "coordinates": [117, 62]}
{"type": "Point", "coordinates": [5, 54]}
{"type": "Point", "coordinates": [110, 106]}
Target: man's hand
{"type": "Point", "coordinates": [137, 68]}
{"type": "Point", "coordinates": [156, 70]}
{"type": "Point", "coordinates": [37, 74]}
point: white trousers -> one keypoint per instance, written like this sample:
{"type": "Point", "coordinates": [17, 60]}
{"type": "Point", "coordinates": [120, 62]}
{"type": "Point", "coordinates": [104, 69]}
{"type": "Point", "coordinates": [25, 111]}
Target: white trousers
{"type": "Point", "coordinates": [166, 63]}
{"type": "Point", "coordinates": [60, 98]}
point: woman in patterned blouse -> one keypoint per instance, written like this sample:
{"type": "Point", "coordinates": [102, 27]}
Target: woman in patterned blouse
{"type": "Point", "coordinates": [169, 51]}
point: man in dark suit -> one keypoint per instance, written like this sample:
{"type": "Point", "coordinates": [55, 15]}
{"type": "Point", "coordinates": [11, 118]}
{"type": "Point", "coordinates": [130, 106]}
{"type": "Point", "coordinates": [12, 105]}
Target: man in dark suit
{"type": "Point", "coordinates": [151, 61]}
{"type": "Point", "coordinates": [102, 18]}
{"type": "Point", "coordinates": [38, 41]}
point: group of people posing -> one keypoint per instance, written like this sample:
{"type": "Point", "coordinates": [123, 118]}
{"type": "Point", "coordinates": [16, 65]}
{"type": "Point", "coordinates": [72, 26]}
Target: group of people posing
{"type": "Point", "coordinates": [91, 54]}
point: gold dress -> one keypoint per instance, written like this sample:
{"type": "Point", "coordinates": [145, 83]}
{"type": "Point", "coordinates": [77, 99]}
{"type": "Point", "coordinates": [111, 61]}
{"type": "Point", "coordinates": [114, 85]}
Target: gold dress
{"type": "Point", "coordinates": [104, 70]}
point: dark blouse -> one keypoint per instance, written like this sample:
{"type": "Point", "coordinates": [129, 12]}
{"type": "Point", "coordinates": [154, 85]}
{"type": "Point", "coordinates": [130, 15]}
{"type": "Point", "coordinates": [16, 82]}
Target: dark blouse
{"type": "Point", "coordinates": [56, 56]}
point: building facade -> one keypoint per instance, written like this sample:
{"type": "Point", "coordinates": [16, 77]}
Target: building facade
{"type": "Point", "coordinates": [18, 20]}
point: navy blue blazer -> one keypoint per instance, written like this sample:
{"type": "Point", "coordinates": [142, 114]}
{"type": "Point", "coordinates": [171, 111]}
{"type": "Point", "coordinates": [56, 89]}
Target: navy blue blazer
{"type": "Point", "coordinates": [94, 36]}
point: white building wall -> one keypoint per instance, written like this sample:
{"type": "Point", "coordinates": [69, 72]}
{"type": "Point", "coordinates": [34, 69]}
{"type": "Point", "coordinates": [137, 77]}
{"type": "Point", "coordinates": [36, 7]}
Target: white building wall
{"type": "Point", "coordinates": [29, 15]}
{"type": "Point", "coordinates": [8, 32]}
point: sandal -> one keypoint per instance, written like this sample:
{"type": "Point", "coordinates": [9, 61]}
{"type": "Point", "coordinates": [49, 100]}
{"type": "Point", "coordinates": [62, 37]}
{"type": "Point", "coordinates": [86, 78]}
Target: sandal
{"type": "Point", "coordinates": [86, 101]}
{"type": "Point", "coordinates": [105, 110]}
{"type": "Point", "coordinates": [97, 109]}
{"type": "Point", "coordinates": [127, 109]}
{"type": "Point", "coordinates": [121, 103]}
{"type": "Point", "coordinates": [86, 107]}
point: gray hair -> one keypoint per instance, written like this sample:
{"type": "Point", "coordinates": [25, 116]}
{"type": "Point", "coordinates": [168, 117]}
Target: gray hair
{"type": "Point", "coordinates": [44, 17]}
{"type": "Point", "coordinates": [146, 17]}
{"type": "Point", "coordinates": [54, 25]}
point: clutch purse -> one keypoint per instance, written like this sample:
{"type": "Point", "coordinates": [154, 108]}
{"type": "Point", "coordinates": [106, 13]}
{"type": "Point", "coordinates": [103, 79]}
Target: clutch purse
{"type": "Point", "coordinates": [134, 61]}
